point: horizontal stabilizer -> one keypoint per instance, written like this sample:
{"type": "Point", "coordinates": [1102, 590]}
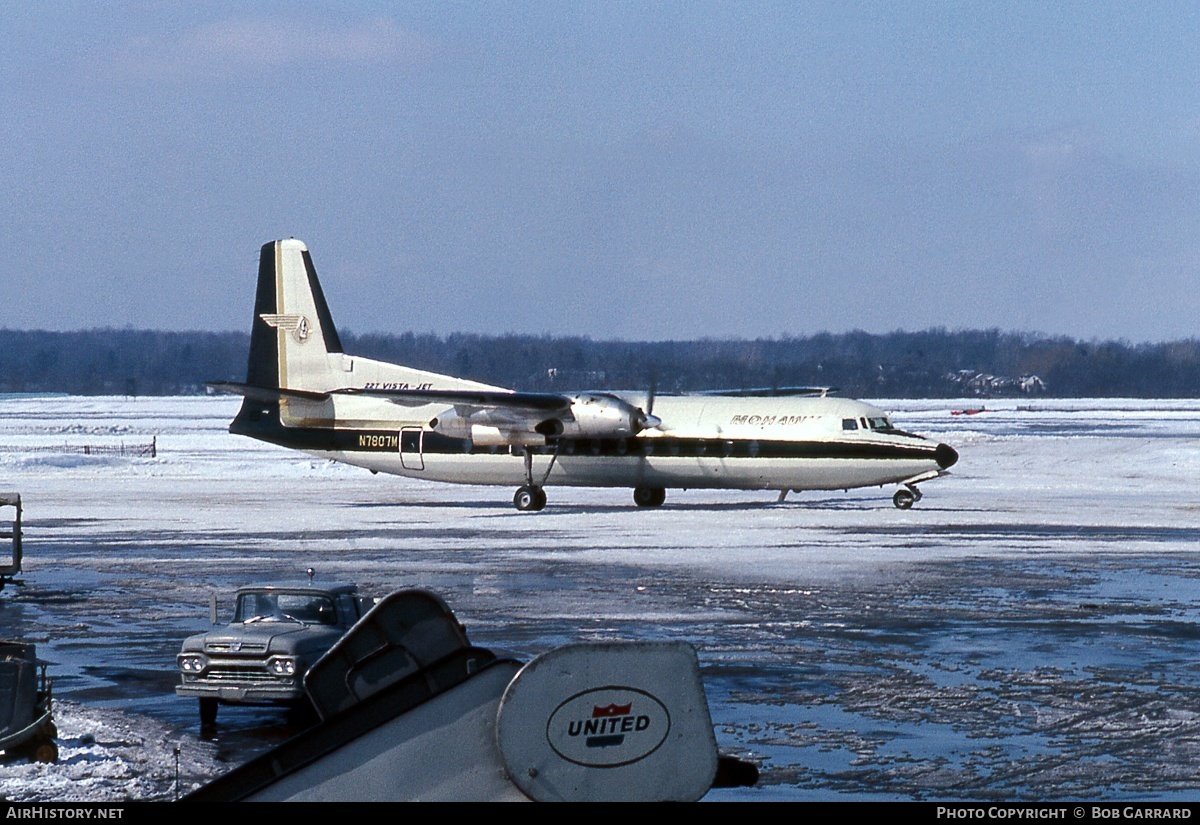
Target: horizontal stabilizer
{"type": "Point", "coordinates": [265, 393]}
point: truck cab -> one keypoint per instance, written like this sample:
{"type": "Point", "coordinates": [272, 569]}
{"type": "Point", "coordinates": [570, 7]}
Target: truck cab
{"type": "Point", "coordinates": [277, 632]}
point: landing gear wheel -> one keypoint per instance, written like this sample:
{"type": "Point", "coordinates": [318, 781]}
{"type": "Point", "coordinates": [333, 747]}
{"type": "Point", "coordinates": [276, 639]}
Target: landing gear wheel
{"type": "Point", "coordinates": [904, 499]}
{"type": "Point", "coordinates": [208, 712]}
{"type": "Point", "coordinates": [529, 498]}
{"type": "Point", "coordinates": [649, 496]}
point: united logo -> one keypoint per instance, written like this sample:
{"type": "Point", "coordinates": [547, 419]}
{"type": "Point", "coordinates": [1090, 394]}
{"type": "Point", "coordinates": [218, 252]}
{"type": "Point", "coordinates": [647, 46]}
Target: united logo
{"type": "Point", "coordinates": [607, 727]}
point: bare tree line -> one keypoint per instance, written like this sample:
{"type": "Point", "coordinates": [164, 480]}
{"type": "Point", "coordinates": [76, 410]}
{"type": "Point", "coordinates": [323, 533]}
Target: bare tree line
{"type": "Point", "coordinates": [932, 363]}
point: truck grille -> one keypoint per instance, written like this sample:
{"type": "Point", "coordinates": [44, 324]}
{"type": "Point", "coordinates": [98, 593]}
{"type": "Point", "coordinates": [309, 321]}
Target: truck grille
{"type": "Point", "coordinates": [241, 674]}
{"type": "Point", "coordinates": [243, 647]}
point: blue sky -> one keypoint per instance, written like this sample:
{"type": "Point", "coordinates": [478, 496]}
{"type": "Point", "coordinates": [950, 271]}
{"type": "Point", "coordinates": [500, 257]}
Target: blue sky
{"type": "Point", "coordinates": [617, 170]}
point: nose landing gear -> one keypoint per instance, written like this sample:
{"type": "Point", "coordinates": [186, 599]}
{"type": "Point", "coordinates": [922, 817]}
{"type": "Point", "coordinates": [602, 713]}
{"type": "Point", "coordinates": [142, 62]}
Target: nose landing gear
{"type": "Point", "coordinates": [906, 497]}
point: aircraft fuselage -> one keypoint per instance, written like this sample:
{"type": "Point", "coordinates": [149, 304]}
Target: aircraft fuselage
{"type": "Point", "coordinates": [704, 442]}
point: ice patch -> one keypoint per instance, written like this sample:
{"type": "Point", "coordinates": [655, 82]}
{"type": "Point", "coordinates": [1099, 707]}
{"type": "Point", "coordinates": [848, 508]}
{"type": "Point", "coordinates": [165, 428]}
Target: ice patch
{"type": "Point", "coordinates": [62, 461]}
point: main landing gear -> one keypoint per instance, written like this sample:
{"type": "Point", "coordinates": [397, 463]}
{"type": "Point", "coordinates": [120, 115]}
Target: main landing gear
{"type": "Point", "coordinates": [906, 497]}
{"type": "Point", "coordinates": [531, 497]}
{"type": "Point", "coordinates": [649, 496]}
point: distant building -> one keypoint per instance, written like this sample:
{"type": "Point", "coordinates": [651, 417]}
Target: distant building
{"type": "Point", "coordinates": [982, 383]}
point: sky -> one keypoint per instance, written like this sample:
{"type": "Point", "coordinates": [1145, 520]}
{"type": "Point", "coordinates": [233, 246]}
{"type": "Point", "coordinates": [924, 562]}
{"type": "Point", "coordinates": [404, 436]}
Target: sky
{"type": "Point", "coordinates": [619, 170]}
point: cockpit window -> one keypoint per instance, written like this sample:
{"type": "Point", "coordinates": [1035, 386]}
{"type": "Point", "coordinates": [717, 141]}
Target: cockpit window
{"type": "Point", "coordinates": [299, 607]}
{"type": "Point", "coordinates": [849, 424]}
{"type": "Point", "coordinates": [879, 424]}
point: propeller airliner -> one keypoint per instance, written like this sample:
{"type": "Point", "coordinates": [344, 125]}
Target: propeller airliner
{"type": "Point", "coordinates": [302, 391]}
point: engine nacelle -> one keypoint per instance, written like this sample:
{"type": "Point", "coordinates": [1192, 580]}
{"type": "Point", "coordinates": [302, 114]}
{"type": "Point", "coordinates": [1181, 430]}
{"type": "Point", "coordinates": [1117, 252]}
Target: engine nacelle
{"type": "Point", "coordinates": [481, 429]}
{"type": "Point", "coordinates": [484, 436]}
{"type": "Point", "coordinates": [599, 416]}
{"type": "Point", "coordinates": [591, 415]}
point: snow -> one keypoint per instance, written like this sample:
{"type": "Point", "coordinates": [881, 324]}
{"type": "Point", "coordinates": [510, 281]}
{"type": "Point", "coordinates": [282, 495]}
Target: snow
{"type": "Point", "coordinates": [1027, 631]}
{"type": "Point", "coordinates": [109, 756]}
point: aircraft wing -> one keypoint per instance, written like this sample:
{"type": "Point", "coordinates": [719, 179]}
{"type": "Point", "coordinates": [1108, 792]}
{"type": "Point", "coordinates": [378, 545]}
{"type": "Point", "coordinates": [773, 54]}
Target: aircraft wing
{"type": "Point", "coordinates": [539, 402]}
{"type": "Point", "coordinates": [513, 416]}
{"type": "Point", "coordinates": [265, 393]}
{"type": "Point", "coordinates": [517, 414]}
{"type": "Point", "coordinates": [768, 392]}
{"type": "Point", "coordinates": [513, 402]}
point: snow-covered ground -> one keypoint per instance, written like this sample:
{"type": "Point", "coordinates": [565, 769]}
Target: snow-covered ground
{"type": "Point", "coordinates": [1028, 631]}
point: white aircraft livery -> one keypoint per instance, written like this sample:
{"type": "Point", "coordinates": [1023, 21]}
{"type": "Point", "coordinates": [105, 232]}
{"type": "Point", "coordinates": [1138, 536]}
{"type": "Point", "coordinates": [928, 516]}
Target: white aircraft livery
{"type": "Point", "coordinates": [302, 391]}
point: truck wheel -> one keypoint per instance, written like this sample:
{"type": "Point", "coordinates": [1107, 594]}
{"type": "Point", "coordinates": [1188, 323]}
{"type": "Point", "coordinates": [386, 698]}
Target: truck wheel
{"type": "Point", "coordinates": [303, 714]}
{"type": "Point", "coordinates": [46, 752]}
{"type": "Point", "coordinates": [208, 712]}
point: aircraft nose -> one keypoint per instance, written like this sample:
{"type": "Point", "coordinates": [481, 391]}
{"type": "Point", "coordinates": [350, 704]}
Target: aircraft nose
{"type": "Point", "coordinates": [945, 455]}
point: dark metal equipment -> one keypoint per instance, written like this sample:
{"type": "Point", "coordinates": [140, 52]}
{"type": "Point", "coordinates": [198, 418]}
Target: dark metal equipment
{"type": "Point", "coordinates": [27, 728]}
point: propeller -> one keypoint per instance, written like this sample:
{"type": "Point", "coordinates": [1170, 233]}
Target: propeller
{"type": "Point", "coordinates": [645, 419]}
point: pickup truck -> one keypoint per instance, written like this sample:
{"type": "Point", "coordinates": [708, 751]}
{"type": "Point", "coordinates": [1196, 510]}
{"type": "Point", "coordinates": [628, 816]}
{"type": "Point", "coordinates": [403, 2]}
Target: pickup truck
{"type": "Point", "coordinates": [278, 631]}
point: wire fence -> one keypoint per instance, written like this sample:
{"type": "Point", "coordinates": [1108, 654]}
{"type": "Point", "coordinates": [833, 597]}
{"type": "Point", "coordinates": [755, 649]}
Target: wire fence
{"type": "Point", "coordinates": [126, 450]}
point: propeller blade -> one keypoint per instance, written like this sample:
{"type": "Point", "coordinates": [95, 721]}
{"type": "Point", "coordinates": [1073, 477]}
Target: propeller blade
{"type": "Point", "coordinates": [645, 419]}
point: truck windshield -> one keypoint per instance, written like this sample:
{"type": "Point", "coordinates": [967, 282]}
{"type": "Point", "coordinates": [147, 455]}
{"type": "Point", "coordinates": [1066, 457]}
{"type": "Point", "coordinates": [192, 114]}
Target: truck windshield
{"type": "Point", "coordinates": [300, 607]}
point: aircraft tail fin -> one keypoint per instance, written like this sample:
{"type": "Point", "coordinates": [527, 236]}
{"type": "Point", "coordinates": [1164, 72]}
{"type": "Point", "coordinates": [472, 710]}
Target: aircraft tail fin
{"type": "Point", "coordinates": [296, 358]}
{"type": "Point", "coordinates": [293, 342]}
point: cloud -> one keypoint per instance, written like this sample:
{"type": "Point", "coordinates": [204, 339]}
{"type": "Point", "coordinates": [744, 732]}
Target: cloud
{"type": "Point", "coordinates": [233, 45]}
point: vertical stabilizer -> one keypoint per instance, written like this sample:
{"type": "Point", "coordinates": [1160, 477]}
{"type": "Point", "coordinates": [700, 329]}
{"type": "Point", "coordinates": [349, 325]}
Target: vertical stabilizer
{"type": "Point", "coordinates": [295, 346]}
{"type": "Point", "coordinates": [293, 342]}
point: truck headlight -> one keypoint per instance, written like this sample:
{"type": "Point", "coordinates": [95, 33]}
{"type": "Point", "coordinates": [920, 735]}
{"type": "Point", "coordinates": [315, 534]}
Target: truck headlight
{"type": "Point", "coordinates": [192, 662]}
{"type": "Point", "coordinates": [282, 665]}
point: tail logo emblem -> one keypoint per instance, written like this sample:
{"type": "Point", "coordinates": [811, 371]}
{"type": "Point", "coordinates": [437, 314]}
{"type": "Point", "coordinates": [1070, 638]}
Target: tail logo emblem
{"type": "Point", "coordinates": [297, 325]}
